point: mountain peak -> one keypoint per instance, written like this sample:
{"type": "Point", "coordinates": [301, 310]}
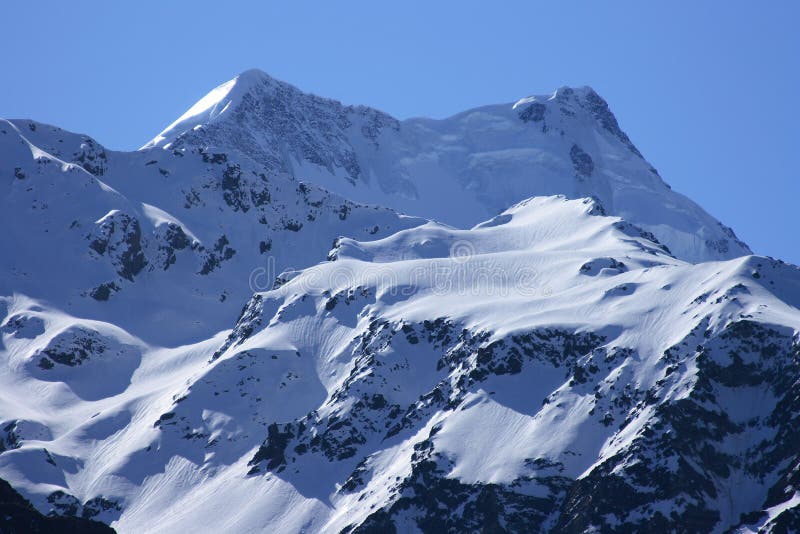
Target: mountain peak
{"type": "Point", "coordinates": [252, 80]}
{"type": "Point", "coordinates": [223, 98]}
{"type": "Point", "coordinates": [254, 76]}
{"type": "Point", "coordinates": [563, 93]}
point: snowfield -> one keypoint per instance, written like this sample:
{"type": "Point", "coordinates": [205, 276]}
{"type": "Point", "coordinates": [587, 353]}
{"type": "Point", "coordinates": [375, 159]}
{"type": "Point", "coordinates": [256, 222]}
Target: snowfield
{"type": "Point", "coordinates": [237, 327]}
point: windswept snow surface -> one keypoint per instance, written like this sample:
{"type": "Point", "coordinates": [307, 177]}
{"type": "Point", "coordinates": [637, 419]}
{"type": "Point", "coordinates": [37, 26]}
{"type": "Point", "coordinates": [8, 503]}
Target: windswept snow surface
{"type": "Point", "coordinates": [193, 338]}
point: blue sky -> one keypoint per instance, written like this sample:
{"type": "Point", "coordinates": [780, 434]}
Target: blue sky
{"type": "Point", "coordinates": [708, 91]}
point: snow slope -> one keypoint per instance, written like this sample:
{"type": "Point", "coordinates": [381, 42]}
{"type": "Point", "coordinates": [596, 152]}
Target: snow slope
{"type": "Point", "coordinates": [482, 160]}
{"type": "Point", "coordinates": [552, 367]}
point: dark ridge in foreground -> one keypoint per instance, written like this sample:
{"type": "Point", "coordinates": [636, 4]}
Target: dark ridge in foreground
{"type": "Point", "coordinates": [18, 516]}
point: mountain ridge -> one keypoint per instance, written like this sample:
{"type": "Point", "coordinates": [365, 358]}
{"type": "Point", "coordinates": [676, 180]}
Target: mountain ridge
{"type": "Point", "coordinates": [483, 159]}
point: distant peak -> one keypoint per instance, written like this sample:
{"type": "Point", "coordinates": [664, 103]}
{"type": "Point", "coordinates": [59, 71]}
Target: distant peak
{"type": "Point", "coordinates": [563, 93]}
{"type": "Point", "coordinates": [219, 100]}
{"type": "Point", "coordinates": [566, 91]}
{"type": "Point", "coordinates": [572, 100]}
{"type": "Point", "coordinates": [254, 75]}
{"type": "Point", "coordinates": [254, 78]}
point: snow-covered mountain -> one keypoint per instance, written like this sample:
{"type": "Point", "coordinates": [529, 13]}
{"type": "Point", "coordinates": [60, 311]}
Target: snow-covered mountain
{"type": "Point", "coordinates": [236, 328]}
{"type": "Point", "coordinates": [482, 160]}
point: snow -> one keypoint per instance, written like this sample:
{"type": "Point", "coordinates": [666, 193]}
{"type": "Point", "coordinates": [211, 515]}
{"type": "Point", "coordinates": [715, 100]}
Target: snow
{"type": "Point", "coordinates": [166, 409]}
{"type": "Point", "coordinates": [208, 108]}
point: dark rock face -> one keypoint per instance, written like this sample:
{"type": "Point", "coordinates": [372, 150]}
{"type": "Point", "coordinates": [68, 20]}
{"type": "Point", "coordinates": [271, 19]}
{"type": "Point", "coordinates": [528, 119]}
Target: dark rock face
{"type": "Point", "coordinates": [10, 439]}
{"type": "Point", "coordinates": [23, 326]}
{"type": "Point", "coordinates": [91, 156]}
{"type": "Point", "coordinates": [68, 506]}
{"type": "Point", "coordinates": [635, 231]}
{"type": "Point", "coordinates": [723, 245]}
{"type": "Point", "coordinates": [602, 113]}
{"type": "Point", "coordinates": [170, 238]}
{"type": "Point", "coordinates": [18, 516]}
{"type": "Point", "coordinates": [214, 257]}
{"type": "Point", "coordinates": [732, 235]}
{"type": "Point", "coordinates": [533, 112]}
{"type": "Point", "coordinates": [104, 291]}
{"type": "Point", "coordinates": [581, 161]}
{"type": "Point", "coordinates": [273, 452]}
{"type": "Point", "coordinates": [119, 237]}
{"type": "Point", "coordinates": [71, 348]}
{"type": "Point", "coordinates": [233, 194]}
{"type": "Point", "coordinates": [249, 320]}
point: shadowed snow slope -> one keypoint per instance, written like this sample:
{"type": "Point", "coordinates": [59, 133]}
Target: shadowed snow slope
{"type": "Point", "coordinates": [482, 160]}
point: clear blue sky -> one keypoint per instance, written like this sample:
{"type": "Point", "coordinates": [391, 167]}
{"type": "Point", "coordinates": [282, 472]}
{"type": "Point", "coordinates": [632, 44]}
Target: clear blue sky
{"type": "Point", "coordinates": [708, 91]}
